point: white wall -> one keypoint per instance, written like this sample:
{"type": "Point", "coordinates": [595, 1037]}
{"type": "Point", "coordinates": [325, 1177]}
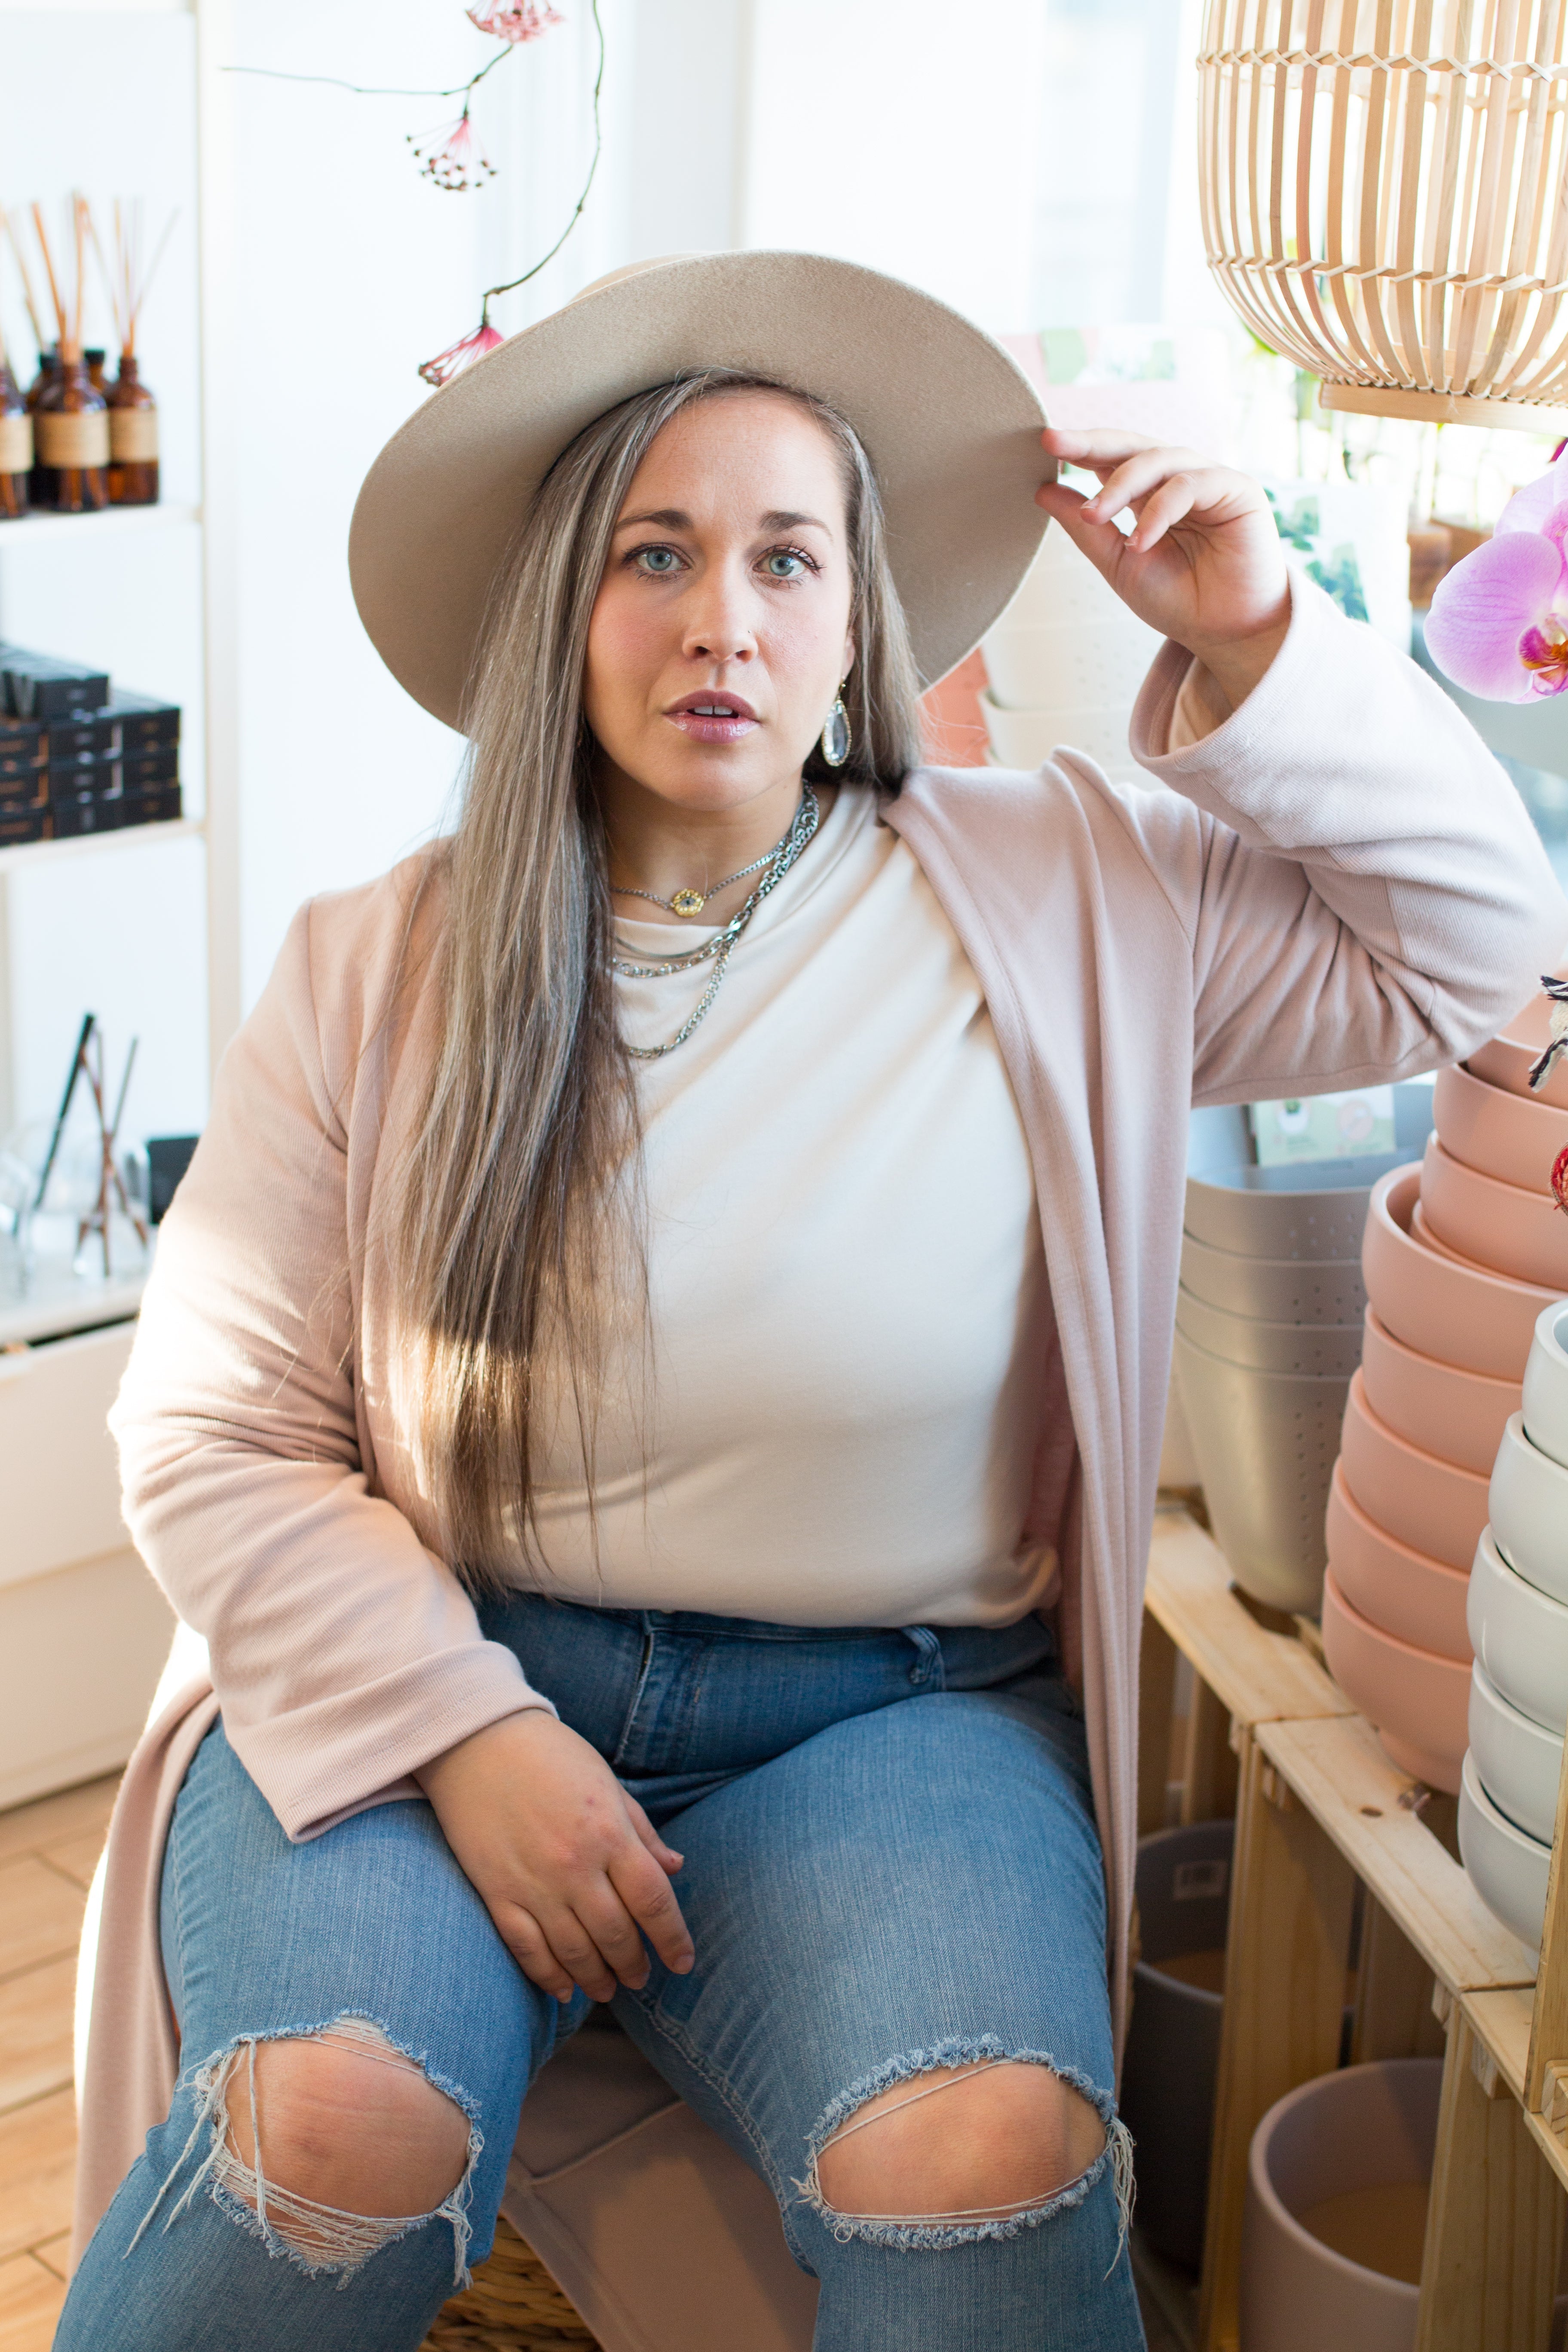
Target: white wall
{"type": "Point", "coordinates": [977, 152]}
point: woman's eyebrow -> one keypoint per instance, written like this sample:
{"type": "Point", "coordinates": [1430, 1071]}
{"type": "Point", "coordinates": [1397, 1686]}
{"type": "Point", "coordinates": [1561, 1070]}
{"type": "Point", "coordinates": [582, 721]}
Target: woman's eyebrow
{"type": "Point", "coordinates": [668, 517]}
{"type": "Point", "coordinates": [677, 518]}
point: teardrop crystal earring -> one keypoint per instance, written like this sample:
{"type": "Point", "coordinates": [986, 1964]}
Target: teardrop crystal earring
{"type": "Point", "coordinates": [836, 736]}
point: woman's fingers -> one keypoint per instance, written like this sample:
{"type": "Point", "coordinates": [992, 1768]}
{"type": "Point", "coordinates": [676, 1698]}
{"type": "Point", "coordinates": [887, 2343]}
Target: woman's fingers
{"type": "Point", "coordinates": [645, 1891]}
{"type": "Point", "coordinates": [1100, 542]}
{"type": "Point", "coordinates": [1163, 508]}
{"type": "Point", "coordinates": [1139, 479]}
{"type": "Point", "coordinates": [665, 1855]}
{"type": "Point", "coordinates": [1098, 448]}
{"type": "Point", "coordinates": [526, 1942]}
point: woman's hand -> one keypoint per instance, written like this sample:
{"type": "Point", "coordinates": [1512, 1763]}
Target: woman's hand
{"type": "Point", "coordinates": [1203, 563]}
{"type": "Point", "coordinates": [570, 1868]}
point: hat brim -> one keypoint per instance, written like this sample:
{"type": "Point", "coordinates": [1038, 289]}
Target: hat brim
{"type": "Point", "coordinates": [950, 423]}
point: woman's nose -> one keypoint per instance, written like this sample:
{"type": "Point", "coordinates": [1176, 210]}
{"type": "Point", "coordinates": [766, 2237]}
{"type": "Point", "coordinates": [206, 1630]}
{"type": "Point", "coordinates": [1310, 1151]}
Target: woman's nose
{"type": "Point", "coordinates": [718, 622]}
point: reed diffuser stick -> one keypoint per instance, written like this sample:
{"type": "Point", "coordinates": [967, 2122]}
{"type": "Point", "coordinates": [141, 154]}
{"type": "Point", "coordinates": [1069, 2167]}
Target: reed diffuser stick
{"type": "Point", "coordinates": [63, 331]}
{"type": "Point", "coordinates": [31, 308]}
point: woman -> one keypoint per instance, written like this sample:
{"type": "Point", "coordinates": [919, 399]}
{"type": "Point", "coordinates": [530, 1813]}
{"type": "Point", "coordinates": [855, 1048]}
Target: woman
{"type": "Point", "coordinates": [652, 1385]}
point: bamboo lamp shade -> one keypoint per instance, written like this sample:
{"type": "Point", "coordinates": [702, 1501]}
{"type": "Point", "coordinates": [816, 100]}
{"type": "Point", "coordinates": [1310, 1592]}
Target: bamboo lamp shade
{"type": "Point", "coordinates": [1384, 189]}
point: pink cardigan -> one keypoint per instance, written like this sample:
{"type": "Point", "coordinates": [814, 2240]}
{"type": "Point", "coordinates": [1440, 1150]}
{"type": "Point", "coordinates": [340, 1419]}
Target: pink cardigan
{"type": "Point", "coordinates": [1337, 887]}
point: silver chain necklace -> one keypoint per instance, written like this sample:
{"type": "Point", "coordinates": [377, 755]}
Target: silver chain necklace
{"type": "Point", "coordinates": [689, 903]}
{"type": "Point", "coordinates": [722, 946]}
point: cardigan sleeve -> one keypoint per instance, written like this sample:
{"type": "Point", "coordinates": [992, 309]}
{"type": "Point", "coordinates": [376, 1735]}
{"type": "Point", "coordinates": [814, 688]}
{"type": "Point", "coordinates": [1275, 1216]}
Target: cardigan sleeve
{"type": "Point", "coordinates": [344, 1652]}
{"type": "Point", "coordinates": [1364, 895]}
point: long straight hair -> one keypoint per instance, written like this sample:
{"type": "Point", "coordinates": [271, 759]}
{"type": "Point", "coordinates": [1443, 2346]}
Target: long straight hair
{"type": "Point", "coordinates": [516, 1219]}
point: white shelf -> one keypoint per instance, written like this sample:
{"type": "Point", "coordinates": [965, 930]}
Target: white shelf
{"type": "Point", "coordinates": [29, 529]}
{"type": "Point", "coordinates": [58, 1302]}
{"type": "Point", "coordinates": [81, 844]}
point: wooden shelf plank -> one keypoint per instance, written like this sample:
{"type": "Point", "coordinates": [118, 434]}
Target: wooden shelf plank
{"type": "Point", "coordinates": [1501, 2023]}
{"type": "Point", "coordinates": [83, 844]}
{"type": "Point", "coordinates": [28, 530]}
{"type": "Point", "coordinates": [1258, 1676]}
{"type": "Point", "coordinates": [1338, 1770]}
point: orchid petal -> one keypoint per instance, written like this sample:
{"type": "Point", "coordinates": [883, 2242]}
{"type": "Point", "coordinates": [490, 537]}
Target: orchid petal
{"type": "Point", "coordinates": [1483, 608]}
{"type": "Point", "coordinates": [1529, 509]}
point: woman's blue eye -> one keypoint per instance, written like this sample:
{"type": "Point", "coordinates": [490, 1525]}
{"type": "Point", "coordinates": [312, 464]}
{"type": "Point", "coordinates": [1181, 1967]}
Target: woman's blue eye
{"type": "Point", "coordinates": [661, 560]}
{"type": "Point", "coordinates": [782, 556]}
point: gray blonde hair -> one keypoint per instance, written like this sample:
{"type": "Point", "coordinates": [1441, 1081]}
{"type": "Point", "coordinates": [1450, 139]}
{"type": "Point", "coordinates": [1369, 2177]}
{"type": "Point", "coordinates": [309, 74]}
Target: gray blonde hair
{"type": "Point", "coordinates": [516, 1201]}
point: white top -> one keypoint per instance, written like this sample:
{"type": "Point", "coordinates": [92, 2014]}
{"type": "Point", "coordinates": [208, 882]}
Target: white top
{"type": "Point", "coordinates": [846, 1280]}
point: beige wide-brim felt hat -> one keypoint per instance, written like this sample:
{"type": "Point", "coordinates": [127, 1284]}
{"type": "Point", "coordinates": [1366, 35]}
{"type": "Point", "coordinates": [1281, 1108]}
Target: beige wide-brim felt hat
{"type": "Point", "coordinates": [951, 423]}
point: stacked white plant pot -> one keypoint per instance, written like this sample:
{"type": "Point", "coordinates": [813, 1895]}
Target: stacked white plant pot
{"type": "Point", "coordinates": [1268, 1335]}
{"type": "Point", "coordinates": [1065, 663]}
{"type": "Point", "coordinates": [1517, 1618]}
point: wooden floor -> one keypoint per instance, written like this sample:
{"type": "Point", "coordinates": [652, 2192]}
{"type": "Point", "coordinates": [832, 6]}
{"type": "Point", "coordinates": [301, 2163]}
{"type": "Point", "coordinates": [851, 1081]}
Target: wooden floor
{"type": "Point", "coordinates": [48, 1851]}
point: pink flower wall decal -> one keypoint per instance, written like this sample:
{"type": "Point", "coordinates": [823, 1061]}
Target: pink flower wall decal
{"type": "Point", "coordinates": [460, 354]}
{"type": "Point", "coordinates": [451, 156]}
{"type": "Point", "coordinates": [1499, 621]}
{"type": "Point", "coordinates": [524, 22]}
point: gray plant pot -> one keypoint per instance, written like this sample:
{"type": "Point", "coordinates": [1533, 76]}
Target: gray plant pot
{"type": "Point", "coordinates": [1173, 2041]}
{"type": "Point", "coordinates": [1325, 1350]}
{"type": "Point", "coordinates": [1266, 1445]}
{"type": "Point", "coordinates": [1275, 1289]}
{"type": "Point", "coordinates": [1310, 1210]}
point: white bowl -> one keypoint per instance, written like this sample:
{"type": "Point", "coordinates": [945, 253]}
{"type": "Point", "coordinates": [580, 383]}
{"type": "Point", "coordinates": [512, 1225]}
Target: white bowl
{"type": "Point", "coordinates": [1520, 1637]}
{"type": "Point", "coordinates": [1026, 738]}
{"type": "Point", "coordinates": [1527, 1504]}
{"type": "Point", "coordinates": [1520, 1762]}
{"type": "Point", "coordinates": [1508, 1870]}
{"type": "Point", "coordinates": [1078, 663]}
{"type": "Point", "coordinates": [1546, 1383]}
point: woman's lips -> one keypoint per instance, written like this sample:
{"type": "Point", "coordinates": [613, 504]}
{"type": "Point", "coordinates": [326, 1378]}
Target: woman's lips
{"type": "Point", "coordinates": [713, 719]}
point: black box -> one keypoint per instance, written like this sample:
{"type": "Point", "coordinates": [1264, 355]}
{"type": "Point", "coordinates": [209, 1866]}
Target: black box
{"type": "Point", "coordinates": [143, 721]}
{"type": "Point", "coordinates": [155, 805]}
{"type": "Point", "coordinates": [19, 793]}
{"type": "Point", "coordinates": [140, 770]}
{"type": "Point", "coordinates": [18, 770]}
{"type": "Point", "coordinates": [69, 739]}
{"type": "Point", "coordinates": [39, 686]}
{"type": "Point", "coordinates": [168, 1157]}
{"type": "Point", "coordinates": [72, 817]}
{"type": "Point", "coordinates": [95, 774]}
{"type": "Point", "coordinates": [30, 824]}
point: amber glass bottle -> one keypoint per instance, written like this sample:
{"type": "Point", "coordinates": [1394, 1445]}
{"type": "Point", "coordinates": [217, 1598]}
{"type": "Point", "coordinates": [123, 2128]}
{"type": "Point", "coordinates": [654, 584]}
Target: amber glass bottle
{"type": "Point", "coordinates": [70, 436]}
{"type": "Point", "coordinates": [48, 369]}
{"type": "Point", "coordinates": [97, 360]}
{"type": "Point", "coordinates": [132, 439]}
{"type": "Point", "coordinates": [15, 447]}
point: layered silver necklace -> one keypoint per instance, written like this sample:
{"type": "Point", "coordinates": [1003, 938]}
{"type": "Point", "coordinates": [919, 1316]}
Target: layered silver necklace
{"type": "Point", "coordinates": [722, 945]}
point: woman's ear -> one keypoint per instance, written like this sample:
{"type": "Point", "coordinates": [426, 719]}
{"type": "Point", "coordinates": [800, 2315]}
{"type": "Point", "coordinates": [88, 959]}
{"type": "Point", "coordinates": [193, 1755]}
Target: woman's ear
{"type": "Point", "coordinates": [848, 655]}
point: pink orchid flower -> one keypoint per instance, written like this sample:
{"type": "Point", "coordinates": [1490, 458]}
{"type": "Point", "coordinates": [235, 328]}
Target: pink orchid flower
{"type": "Point", "coordinates": [451, 156]}
{"type": "Point", "coordinates": [460, 354]}
{"type": "Point", "coordinates": [1499, 621]}
{"type": "Point", "coordinates": [524, 22]}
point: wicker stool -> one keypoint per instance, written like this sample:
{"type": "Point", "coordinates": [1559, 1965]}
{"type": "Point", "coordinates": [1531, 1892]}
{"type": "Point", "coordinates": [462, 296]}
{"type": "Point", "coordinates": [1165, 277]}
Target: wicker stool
{"type": "Point", "coordinates": [513, 2305]}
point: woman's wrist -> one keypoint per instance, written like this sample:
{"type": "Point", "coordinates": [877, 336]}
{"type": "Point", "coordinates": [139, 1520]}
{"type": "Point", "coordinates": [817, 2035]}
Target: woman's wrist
{"type": "Point", "coordinates": [1239, 664]}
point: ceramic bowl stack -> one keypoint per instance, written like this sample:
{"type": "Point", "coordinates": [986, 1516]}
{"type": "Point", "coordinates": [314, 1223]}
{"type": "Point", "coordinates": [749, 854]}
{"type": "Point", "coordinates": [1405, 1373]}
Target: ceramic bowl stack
{"type": "Point", "coordinates": [1519, 1625]}
{"type": "Point", "coordinates": [1461, 1256]}
{"type": "Point", "coordinates": [1268, 1333]}
{"type": "Point", "coordinates": [1065, 663]}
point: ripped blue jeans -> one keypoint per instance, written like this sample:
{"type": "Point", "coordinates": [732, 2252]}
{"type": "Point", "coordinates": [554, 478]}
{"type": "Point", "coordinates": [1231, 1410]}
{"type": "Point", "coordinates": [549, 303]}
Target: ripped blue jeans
{"type": "Point", "coordinates": [891, 1867]}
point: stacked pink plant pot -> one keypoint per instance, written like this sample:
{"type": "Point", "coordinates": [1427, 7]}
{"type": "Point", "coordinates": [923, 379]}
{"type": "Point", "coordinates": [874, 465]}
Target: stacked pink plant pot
{"type": "Point", "coordinates": [1461, 1256]}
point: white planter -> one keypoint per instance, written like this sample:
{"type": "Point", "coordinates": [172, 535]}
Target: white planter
{"type": "Point", "coordinates": [1520, 1637]}
{"type": "Point", "coordinates": [1520, 1762]}
{"type": "Point", "coordinates": [1508, 1869]}
{"type": "Point", "coordinates": [1026, 738]}
{"type": "Point", "coordinates": [1546, 1384]}
{"type": "Point", "coordinates": [1079, 663]}
{"type": "Point", "coordinates": [1528, 1508]}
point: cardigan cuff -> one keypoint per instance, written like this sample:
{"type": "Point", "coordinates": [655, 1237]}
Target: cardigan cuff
{"type": "Point", "coordinates": [339, 1755]}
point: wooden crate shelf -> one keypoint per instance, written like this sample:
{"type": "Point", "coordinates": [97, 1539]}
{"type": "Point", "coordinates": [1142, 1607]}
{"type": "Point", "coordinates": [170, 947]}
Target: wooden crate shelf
{"type": "Point", "coordinates": [1328, 1831]}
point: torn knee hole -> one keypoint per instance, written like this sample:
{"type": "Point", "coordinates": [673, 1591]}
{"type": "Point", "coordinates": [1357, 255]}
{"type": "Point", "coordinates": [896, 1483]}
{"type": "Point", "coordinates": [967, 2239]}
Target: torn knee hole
{"type": "Point", "coordinates": [982, 2142]}
{"type": "Point", "coordinates": [330, 2145]}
